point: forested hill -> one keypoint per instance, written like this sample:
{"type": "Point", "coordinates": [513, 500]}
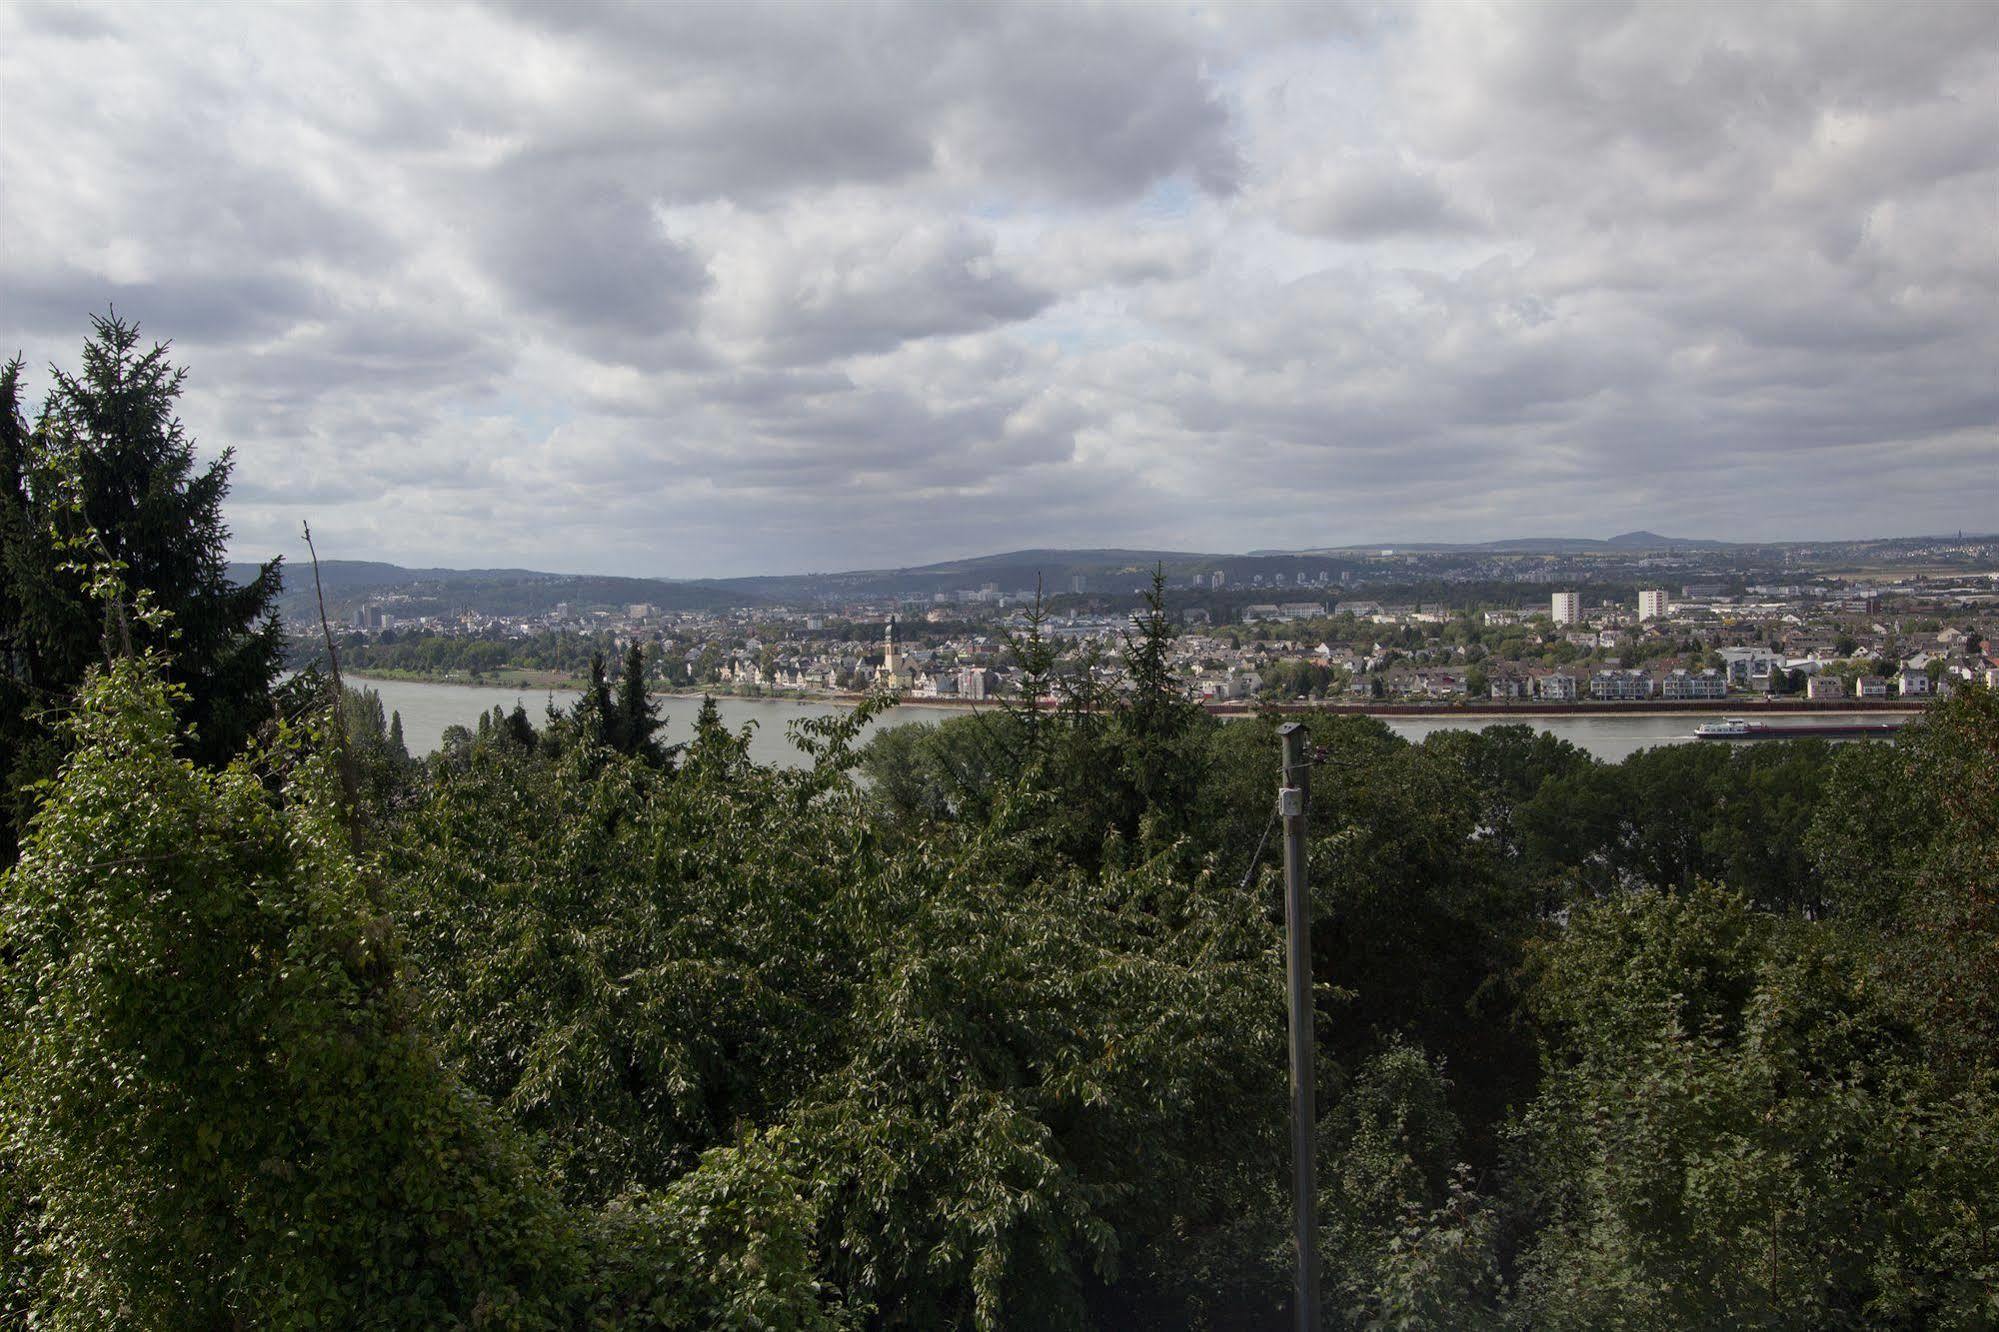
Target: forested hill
{"type": "Point", "coordinates": [1013, 571]}
{"type": "Point", "coordinates": [349, 583]}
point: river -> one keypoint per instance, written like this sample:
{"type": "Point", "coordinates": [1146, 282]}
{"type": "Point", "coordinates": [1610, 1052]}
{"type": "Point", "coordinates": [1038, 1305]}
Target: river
{"type": "Point", "coordinates": [428, 708]}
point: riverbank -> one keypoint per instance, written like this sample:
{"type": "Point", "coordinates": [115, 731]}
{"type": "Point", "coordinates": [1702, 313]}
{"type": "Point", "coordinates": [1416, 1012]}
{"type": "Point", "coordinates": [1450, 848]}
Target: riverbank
{"type": "Point", "coordinates": [510, 678]}
{"type": "Point", "coordinates": [1529, 711]}
{"type": "Point", "coordinates": [1487, 711]}
{"type": "Point", "coordinates": [1608, 731]}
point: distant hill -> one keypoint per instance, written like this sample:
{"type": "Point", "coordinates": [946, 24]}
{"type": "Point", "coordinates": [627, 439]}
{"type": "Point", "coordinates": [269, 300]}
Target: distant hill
{"type": "Point", "coordinates": [351, 583]}
{"type": "Point", "coordinates": [1642, 540]}
{"type": "Point", "coordinates": [1107, 571]}
{"type": "Point", "coordinates": [1013, 571]}
{"type": "Point", "coordinates": [1628, 541]}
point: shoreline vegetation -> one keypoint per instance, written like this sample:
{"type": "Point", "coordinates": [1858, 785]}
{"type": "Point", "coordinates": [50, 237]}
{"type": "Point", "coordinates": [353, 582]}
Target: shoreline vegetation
{"type": "Point", "coordinates": [1523, 710]}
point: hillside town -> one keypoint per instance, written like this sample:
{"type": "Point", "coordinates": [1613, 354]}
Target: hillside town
{"type": "Point", "coordinates": [1312, 636]}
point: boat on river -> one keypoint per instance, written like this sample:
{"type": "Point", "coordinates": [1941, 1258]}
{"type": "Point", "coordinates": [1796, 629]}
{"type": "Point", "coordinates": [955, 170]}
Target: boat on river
{"type": "Point", "coordinates": [1736, 728]}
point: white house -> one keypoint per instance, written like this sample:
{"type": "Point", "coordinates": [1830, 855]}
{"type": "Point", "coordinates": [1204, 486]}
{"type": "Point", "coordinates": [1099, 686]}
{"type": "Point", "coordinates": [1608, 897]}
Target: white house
{"type": "Point", "coordinates": [1555, 688]}
{"type": "Point", "coordinates": [1621, 686]}
{"type": "Point", "coordinates": [1694, 684]}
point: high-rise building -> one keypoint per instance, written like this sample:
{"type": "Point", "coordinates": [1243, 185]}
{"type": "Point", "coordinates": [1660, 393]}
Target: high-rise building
{"type": "Point", "coordinates": [1078, 583]}
{"type": "Point", "coordinates": [1652, 604]}
{"type": "Point", "coordinates": [1565, 608]}
{"type": "Point", "coordinates": [1218, 580]}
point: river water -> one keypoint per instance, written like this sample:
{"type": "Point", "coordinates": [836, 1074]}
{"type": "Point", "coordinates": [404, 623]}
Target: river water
{"type": "Point", "coordinates": [428, 708]}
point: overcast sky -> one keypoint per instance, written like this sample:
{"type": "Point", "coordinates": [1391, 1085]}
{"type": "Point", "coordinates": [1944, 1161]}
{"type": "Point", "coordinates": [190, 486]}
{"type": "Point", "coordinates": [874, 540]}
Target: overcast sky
{"type": "Point", "coordinates": [714, 289]}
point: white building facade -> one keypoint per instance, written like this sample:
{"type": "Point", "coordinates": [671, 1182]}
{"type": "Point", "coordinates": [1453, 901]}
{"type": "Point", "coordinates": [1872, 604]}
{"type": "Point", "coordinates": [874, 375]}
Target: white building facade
{"type": "Point", "coordinates": [1621, 686]}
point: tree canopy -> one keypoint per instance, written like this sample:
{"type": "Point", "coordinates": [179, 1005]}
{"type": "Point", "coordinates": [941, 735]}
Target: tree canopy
{"type": "Point", "coordinates": [106, 477]}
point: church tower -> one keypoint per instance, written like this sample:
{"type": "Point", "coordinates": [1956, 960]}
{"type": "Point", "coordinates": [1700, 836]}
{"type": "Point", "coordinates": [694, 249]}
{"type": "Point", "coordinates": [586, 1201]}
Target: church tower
{"type": "Point", "coordinates": [888, 649]}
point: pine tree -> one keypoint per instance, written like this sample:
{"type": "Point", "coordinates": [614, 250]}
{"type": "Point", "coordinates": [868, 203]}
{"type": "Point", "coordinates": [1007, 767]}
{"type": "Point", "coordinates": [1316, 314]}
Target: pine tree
{"type": "Point", "coordinates": [634, 720]}
{"type": "Point", "coordinates": [1157, 714]}
{"type": "Point", "coordinates": [593, 711]}
{"type": "Point", "coordinates": [396, 745]}
{"type": "Point", "coordinates": [714, 749]}
{"type": "Point", "coordinates": [1159, 707]}
{"type": "Point", "coordinates": [26, 749]}
{"type": "Point", "coordinates": [108, 463]}
{"type": "Point", "coordinates": [519, 728]}
{"type": "Point", "coordinates": [1035, 653]}
{"type": "Point", "coordinates": [709, 719]}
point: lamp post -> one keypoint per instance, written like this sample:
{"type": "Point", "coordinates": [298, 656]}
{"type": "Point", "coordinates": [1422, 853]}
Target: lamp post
{"type": "Point", "coordinates": [1293, 799]}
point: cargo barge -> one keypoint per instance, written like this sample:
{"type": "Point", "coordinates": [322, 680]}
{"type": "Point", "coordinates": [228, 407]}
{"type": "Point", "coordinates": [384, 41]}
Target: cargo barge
{"type": "Point", "coordinates": [1735, 728]}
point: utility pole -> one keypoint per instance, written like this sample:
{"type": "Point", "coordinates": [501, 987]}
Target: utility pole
{"type": "Point", "coordinates": [1294, 793]}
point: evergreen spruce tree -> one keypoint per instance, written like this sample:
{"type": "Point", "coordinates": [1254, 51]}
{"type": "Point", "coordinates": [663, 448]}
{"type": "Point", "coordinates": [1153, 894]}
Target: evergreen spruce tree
{"type": "Point", "coordinates": [108, 457]}
{"type": "Point", "coordinates": [519, 729]}
{"type": "Point", "coordinates": [634, 720]}
{"type": "Point", "coordinates": [593, 711]}
{"type": "Point", "coordinates": [1035, 654]}
{"type": "Point", "coordinates": [714, 750]}
{"type": "Point", "coordinates": [1159, 716]}
{"type": "Point", "coordinates": [25, 748]}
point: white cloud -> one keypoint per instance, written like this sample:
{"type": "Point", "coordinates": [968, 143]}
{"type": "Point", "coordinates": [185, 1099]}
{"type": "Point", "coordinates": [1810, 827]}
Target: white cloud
{"type": "Point", "coordinates": [686, 290]}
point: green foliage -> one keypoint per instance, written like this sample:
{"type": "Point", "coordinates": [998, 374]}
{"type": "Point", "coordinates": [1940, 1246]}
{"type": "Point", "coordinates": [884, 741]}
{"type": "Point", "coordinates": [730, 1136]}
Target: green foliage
{"type": "Point", "coordinates": [215, 1093]}
{"type": "Point", "coordinates": [627, 965]}
{"type": "Point", "coordinates": [634, 720]}
{"type": "Point", "coordinates": [1405, 1241]}
{"type": "Point", "coordinates": [1051, 1086]}
{"type": "Point", "coordinates": [634, 967]}
{"type": "Point", "coordinates": [1296, 678]}
{"type": "Point", "coordinates": [923, 773]}
{"type": "Point", "coordinates": [107, 480]}
{"type": "Point", "coordinates": [1680, 813]}
{"type": "Point", "coordinates": [726, 1246]}
{"type": "Point", "coordinates": [1737, 1128]}
{"type": "Point", "coordinates": [1909, 843]}
{"type": "Point", "coordinates": [421, 652]}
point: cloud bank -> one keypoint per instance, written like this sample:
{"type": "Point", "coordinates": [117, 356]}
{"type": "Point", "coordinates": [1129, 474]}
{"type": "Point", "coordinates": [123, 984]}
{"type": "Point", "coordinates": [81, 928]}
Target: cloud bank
{"type": "Point", "coordinates": [699, 290]}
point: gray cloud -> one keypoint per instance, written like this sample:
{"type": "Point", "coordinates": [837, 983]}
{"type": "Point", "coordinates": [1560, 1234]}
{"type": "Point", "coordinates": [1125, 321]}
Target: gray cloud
{"type": "Point", "coordinates": [588, 253]}
{"type": "Point", "coordinates": [762, 98]}
{"type": "Point", "coordinates": [705, 289]}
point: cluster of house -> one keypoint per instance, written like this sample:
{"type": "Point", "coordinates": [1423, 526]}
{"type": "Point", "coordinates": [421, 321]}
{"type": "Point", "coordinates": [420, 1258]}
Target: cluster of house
{"type": "Point", "coordinates": [974, 667]}
{"type": "Point", "coordinates": [1820, 657]}
{"type": "Point", "coordinates": [967, 672]}
{"type": "Point", "coordinates": [1824, 642]}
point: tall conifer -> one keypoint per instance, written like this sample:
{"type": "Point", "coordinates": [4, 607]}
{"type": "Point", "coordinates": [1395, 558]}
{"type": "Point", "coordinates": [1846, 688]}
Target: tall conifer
{"type": "Point", "coordinates": [634, 719]}
{"type": "Point", "coordinates": [108, 461]}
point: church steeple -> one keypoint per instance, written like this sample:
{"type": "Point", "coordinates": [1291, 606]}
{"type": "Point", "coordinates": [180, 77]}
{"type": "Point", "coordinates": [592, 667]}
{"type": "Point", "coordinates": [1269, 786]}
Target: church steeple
{"type": "Point", "coordinates": [888, 648]}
